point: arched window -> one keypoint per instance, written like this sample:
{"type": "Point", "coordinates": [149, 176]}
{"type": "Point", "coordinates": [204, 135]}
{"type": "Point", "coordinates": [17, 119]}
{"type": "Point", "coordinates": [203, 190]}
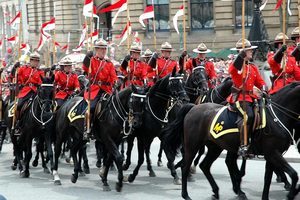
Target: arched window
{"type": "Point", "coordinates": [248, 13]}
{"type": "Point", "coordinates": [161, 11]}
{"type": "Point", "coordinates": [202, 15]}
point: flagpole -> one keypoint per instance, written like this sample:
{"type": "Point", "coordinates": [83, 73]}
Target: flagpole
{"type": "Point", "coordinates": [184, 27]}
{"type": "Point", "coordinates": [54, 52]}
{"type": "Point", "coordinates": [283, 64]}
{"type": "Point", "coordinates": [244, 77]}
{"type": "Point", "coordinates": [68, 43]}
{"type": "Point", "coordinates": [128, 23]}
{"type": "Point", "coordinates": [154, 27]}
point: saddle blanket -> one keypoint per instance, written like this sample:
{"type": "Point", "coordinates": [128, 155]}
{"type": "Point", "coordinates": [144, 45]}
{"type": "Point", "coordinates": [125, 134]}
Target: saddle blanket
{"type": "Point", "coordinates": [78, 110]}
{"type": "Point", "coordinates": [224, 122]}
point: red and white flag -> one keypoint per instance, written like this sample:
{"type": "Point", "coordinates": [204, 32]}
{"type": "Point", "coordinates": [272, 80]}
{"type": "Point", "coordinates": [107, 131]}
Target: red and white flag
{"type": "Point", "coordinates": [121, 5]}
{"type": "Point", "coordinates": [87, 11]}
{"type": "Point", "coordinates": [279, 4]}
{"type": "Point", "coordinates": [92, 37]}
{"type": "Point", "coordinates": [148, 14]}
{"type": "Point", "coordinates": [13, 40]}
{"type": "Point", "coordinates": [48, 26]}
{"type": "Point", "coordinates": [125, 33]}
{"type": "Point", "coordinates": [25, 47]}
{"type": "Point", "coordinates": [64, 47]}
{"type": "Point", "coordinates": [1, 43]}
{"type": "Point", "coordinates": [15, 21]}
{"type": "Point", "coordinates": [42, 41]}
{"type": "Point", "coordinates": [82, 37]}
{"type": "Point", "coordinates": [179, 13]}
{"type": "Point", "coordinates": [136, 37]}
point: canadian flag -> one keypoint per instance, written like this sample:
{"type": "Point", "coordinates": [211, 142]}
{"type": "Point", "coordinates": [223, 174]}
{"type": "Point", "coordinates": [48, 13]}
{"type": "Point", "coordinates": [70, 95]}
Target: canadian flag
{"type": "Point", "coordinates": [16, 20]}
{"type": "Point", "coordinates": [13, 40]}
{"type": "Point", "coordinates": [121, 5]}
{"type": "Point", "coordinates": [48, 26]}
{"type": "Point", "coordinates": [148, 14]}
{"type": "Point", "coordinates": [25, 47]}
{"type": "Point", "coordinates": [179, 13]}
{"type": "Point", "coordinates": [125, 33]}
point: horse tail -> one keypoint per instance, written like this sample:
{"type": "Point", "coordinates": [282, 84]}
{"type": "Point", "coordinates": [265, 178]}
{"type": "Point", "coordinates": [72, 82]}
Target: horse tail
{"type": "Point", "coordinates": [172, 134]}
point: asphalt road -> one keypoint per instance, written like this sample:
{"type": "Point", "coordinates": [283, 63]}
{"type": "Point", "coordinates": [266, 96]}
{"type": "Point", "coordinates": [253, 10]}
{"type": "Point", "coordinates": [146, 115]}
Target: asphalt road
{"type": "Point", "coordinates": [40, 186]}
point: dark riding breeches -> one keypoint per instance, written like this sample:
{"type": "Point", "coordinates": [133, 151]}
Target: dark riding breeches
{"type": "Point", "coordinates": [21, 101]}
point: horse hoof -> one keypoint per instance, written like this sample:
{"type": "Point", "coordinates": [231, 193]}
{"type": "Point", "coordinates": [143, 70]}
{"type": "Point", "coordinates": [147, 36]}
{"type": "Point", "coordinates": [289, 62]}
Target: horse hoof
{"type": "Point", "coordinates": [74, 178]}
{"type": "Point", "coordinates": [68, 160]}
{"type": "Point", "coordinates": [112, 168]}
{"type": "Point", "coordinates": [125, 167]}
{"type": "Point", "coordinates": [125, 178]}
{"type": "Point", "coordinates": [119, 187]}
{"type": "Point", "coordinates": [13, 167]}
{"type": "Point", "coordinates": [24, 174]}
{"type": "Point", "coordinates": [152, 174]}
{"type": "Point", "coordinates": [213, 197]}
{"type": "Point", "coordinates": [242, 197]}
{"type": "Point", "coordinates": [186, 197]}
{"type": "Point", "coordinates": [86, 170]}
{"type": "Point", "coordinates": [98, 164]}
{"type": "Point", "coordinates": [159, 164]}
{"type": "Point", "coordinates": [190, 179]}
{"type": "Point", "coordinates": [177, 181]}
{"type": "Point", "coordinates": [106, 188]}
{"type": "Point", "coordinates": [287, 186]}
{"type": "Point", "coordinates": [46, 170]}
{"type": "Point", "coordinates": [278, 179]}
{"type": "Point", "coordinates": [193, 169]}
{"type": "Point", "coordinates": [57, 182]}
{"type": "Point", "coordinates": [130, 178]}
{"type": "Point", "coordinates": [81, 173]}
{"type": "Point", "coordinates": [35, 163]}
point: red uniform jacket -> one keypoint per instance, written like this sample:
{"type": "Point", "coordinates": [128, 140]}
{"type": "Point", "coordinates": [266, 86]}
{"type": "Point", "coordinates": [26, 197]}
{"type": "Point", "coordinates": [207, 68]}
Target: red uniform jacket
{"type": "Point", "coordinates": [253, 78]}
{"type": "Point", "coordinates": [291, 69]}
{"type": "Point", "coordinates": [165, 67]}
{"type": "Point", "coordinates": [209, 67]}
{"type": "Point", "coordinates": [137, 72]}
{"type": "Point", "coordinates": [29, 78]}
{"type": "Point", "coordinates": [103, 76]}
{"type": "Point", "coordinates": [66, 84]}
{"type": "Point", "coordinates": [150, 75]}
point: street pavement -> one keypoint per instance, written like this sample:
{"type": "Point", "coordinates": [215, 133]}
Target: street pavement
{"type": "Point", "coordinates": [40, 186]}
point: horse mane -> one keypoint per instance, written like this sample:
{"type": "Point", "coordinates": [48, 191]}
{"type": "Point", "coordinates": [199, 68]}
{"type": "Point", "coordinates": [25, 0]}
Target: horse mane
{"type": "Point", "coordinates": [285, 90]}
{"type": "Point", "coordinates": [162, 83]}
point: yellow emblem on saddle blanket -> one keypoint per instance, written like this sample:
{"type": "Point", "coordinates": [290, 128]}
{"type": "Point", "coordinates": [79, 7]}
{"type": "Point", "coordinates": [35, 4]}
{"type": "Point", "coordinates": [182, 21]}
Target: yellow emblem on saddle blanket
{"type": "Point", "coordinates": [224, 122]}
{"type": "Point", "coordinates": [11, 111]}
{"type": "Point", "coordinates": [73, 115]}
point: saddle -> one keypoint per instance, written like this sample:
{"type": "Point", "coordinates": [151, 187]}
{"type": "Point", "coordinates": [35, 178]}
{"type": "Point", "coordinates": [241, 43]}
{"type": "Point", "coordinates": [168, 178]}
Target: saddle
{"type": "Point", "coordinates": [24, 108]}
{"type": "Point", "coordinates": [225, 120]}
{"type": "Point", "coordinates": [102, 104]}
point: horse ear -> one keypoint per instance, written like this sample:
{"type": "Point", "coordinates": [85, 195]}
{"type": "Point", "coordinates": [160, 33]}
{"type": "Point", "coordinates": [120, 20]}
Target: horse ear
{"type": "Point", "coordinates": [134, 89]}
{"type": "Point", "coordinates": [174, 72]}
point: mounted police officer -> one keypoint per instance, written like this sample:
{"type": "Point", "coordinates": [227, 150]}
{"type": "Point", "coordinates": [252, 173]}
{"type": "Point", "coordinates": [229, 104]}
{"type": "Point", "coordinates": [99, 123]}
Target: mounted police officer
{"type": "Point", "coordinates": [163, 65]}
{"type": "Point", "coordinates": [29, 78]}
{"type": "Point", "coordinates": [102, 75]}
{"type": "Point", "coordinates": [66, 81]}
{"type": "Point", "coordinates": [133, 67]}
{"type": "Point", "coordinates": [201, 60]}
{"type": "Point", "coordinates": [238, 97]}
{"type": "Point", "coordinates": [295, 36]}
{"type": "Point", "coordinates": [286, 73]}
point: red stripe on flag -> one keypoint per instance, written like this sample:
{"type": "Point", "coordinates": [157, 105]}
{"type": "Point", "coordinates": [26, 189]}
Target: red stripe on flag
{"type": "Point", "coordinates": [113, 6]}
{"type": "Point", "coordinates": [279, 3]}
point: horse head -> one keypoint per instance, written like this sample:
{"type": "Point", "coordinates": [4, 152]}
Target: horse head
{"type": "Point", "coordinates": [137, 104]}
{"type": "Point", "coordinates": [175, 87]}
{"type": "Point", "coordinates": [45, 93]}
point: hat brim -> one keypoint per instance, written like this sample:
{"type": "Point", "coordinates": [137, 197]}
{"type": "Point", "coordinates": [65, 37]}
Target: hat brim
{"type": "Point", "coordinates": [281, 41]}
{"type": "Point", "coordinates": [100, 46]}
{"type": "Point", "coordinates": [146, 56]}
{"type": "Point", "coordinates": [135, 50]}
{"type": "Point", "coordinates": [247, 48]}
{"type": "Point", "coordinates": [201, 52]}
{"type": "Point", "coordinates": [35, 58]}
{"type": "Point", "coordinates": [167, 49]}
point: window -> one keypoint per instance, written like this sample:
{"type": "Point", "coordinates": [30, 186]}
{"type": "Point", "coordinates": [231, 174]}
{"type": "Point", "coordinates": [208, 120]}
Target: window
{"type": "Point", "coordinates": [161, 10]}
{"type": "Point", "coordinates": [248, 13]}
{"type": "Point", "coordinates": [202, 14]}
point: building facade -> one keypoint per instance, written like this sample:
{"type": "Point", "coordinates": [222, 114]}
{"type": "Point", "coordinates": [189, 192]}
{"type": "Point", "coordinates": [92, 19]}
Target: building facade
{"type": "Point", "coordinates": [217, 23]}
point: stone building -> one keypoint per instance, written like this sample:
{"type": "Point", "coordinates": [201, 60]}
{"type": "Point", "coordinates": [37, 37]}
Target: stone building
{"type": "Point", "coordinates": [215, 22]}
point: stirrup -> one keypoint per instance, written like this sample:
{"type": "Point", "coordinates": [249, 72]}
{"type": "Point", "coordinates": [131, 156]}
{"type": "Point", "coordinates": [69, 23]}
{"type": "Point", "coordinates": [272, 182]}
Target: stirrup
{"type": "Point", "coordinates": [244, 152]}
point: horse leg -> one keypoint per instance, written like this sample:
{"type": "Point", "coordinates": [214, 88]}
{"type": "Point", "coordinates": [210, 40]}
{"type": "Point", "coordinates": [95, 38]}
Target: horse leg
{"type": "Point", "coordinates": [243, 168]}
{"type": "Point", "coordinates": [130, 141]}
{"type": "Point", "coordinates": [39, 149]}
{"type": "Point", "coordinates": [278, 162]}
{"type": "Point", "coordinates": [179, 164]}
{"type": "Point", "coordinates": [196, 161]}
{"type": "Point", "coordinates": [267, 181]}
{"type": "Point", "coordinates": [188, 158]}
{"type": "Point", "coordinates": [212, 154]}
{"type": "Point", "coordinates": [170, 165]}
{"type": "Point", "coordinates": [80, 157]}
{"type": "Point", "coordinates": [74, 150]}
{"type": "Point", "coordinates": [99, 154]}
{"type": "Point", "coordinates": [28, 154]}
{"type": "Point", "coordinates": [104, 173]}
{"type": "Point", "coordinates": [123, 148]}
{"type": "Point", "coordinates": [57, 151]}
{"type": "Point", "coordinates": [48, 142]}
{"type": "Point", "coordinates": [235, 175]}
{"type": "Point", "coordinates": [141, 150]}
{"type": "Point", "coordinates": [86, 167]}
{"type": "Point", "coordinates": [281, 178]}
{"type": "Point", "coordinates": [159, 162]}
{"type": "Point", "coordinates": [148, 160]}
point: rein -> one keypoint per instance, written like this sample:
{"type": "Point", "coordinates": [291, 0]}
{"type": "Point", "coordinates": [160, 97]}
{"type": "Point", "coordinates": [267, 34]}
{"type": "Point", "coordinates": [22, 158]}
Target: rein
{"type": "Point", "coordinates": [217, 94]}
{"type": "Point", "coordinates": [41, 106]}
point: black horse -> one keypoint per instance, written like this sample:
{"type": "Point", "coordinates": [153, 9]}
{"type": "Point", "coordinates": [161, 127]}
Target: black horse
{"type": "Point", "coordinates": [118, 118]}
{"type": "Point", "coordinates": [37, 122]}
{"type": "Point", "coordinates": [193, 124]}
{"type": "Point", "coordinates": [162, 97]}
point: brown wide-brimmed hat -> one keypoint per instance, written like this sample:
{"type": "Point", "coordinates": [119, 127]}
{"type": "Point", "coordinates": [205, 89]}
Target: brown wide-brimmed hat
{"type": "Point", "coordinates": [136, 47]}
{"type": "Point", "coordinates": [166, 46]}
{"type": "Point", "coordinates": [35, 56]}
{"type": "Point", "coordinates": [279, 38]}
{"type": "Point", "coordinates": [202, 49]}
{"type": "Point", "coordinates": [100, 43]}
{"type": "Point", "coordinates": [147, 54]}
{"type": "Point", "coordinates": [66, 61]}
{"type": "Point", "coordinates": [240, 43]}
{"type": "Point", "coordinates": [295, 33]}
